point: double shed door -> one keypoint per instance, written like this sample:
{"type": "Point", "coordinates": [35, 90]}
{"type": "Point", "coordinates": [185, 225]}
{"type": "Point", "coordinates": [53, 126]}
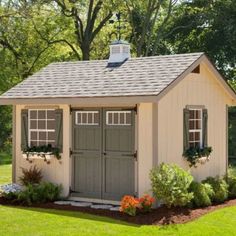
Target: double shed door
{"type": "Point", "coordinates": [103, 152]}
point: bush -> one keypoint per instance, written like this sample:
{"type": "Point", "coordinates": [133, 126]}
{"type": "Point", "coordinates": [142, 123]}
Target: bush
{"type": "Point", "coordinates": [40, 193]}
{"type": "Point", "coordinates": [31, 176]}
{"type": "Point", "coordinates": [9, 191]}
{"type": "Point", "coordinates": [220, 189]}
{"type": "Point", "coordinates": [231, 181]}
{"type": "Point", "coordinates": [202, 194]}
{"type": "Point", "coordinates": [170, 184]}
{"type": "Point", "coordinates": [129, 205]}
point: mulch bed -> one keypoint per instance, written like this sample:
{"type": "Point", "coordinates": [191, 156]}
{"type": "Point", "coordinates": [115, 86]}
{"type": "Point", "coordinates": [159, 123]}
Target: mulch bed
{"type": "Point", "coordinates": [159, 216]}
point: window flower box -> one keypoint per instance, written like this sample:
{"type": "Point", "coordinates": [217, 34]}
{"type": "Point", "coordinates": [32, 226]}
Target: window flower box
{"type": "Point", "coordinates": [197, 155]}
{"type": "Point", "coordinates": [41, 152]}
{"type": "Point", "coordinates": [46, 156]}
{"type": "Point", "coordinates": [203, 160]}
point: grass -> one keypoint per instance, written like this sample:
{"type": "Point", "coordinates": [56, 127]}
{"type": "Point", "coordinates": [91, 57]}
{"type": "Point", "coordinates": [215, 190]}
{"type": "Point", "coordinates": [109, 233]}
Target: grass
{"type": "Point", "coordinates": [5, 174]}
{"type": "Point", "coordinates": [5, 168]}
{"type": "Point", "coordinates": [5, 158]}
{"type": "Point", "coordinates": [37, 222]}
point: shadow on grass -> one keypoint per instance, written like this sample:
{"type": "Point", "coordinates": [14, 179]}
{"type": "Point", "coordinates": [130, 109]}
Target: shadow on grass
{"type": "Point", "coordinates": [74, 214]}
{"type": "Point", "coordinates": [5, 158]}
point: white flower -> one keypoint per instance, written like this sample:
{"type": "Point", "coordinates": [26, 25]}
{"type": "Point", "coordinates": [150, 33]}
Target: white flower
{"type": "Point", "coordinates": [10, 188]}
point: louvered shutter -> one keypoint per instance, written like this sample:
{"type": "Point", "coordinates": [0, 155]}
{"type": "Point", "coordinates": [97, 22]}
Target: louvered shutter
{"type": "Point", "coordinates": [24, 129]}
{"type": "Point", "coordinates": [204, 127]}
{"type": "Point", "coordinates": [59, 129]}
{"type": "Point", "coordinates": [186, 115]}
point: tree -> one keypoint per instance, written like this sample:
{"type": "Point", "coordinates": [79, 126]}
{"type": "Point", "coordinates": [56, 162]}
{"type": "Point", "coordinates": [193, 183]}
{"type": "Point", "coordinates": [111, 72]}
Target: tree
{"type": "Point", "coordinates": [208, 26]}
{"type": "Point", "coordinates": [97, 12]}
{"type": "Point", "coordinates": [148, 20]}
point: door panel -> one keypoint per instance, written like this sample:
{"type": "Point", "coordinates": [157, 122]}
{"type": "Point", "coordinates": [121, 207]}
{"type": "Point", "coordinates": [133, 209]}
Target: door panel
{"type": "Point", "coordinates": [119, 177]}
{"type": "Point", "coordinates": [87, 159]}
{"type": "Point", "coordinates": [118, 140]}
{"type": "Point", "coordinates": [87, 175]}
{"type": "Point", "coordinates": [103, 148]}
{"type": "Point", "coordinates": [118, 159]}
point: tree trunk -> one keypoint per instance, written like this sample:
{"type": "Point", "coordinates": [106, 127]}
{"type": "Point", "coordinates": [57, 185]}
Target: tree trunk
{"type": "Point", "coordinates": [85, 48]}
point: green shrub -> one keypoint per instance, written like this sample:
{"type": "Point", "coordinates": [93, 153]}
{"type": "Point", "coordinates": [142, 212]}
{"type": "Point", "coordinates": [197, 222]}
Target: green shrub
{"type": "Point", "coordinates": [31, 176]}
{"type": "Point", "coordinates": [170, 185]}
{"type": "Point", "coordinates": [49, 192]}
{"type": "Point", "coordinates": [202, 194]}
{"type": "Point", "coordinates": [220, 189]}
{"type": "Point", "coordinates": [231, 181]}
{"type": "Point", "coordinates": [40, 193]}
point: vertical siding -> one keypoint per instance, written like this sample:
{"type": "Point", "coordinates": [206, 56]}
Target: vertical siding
{"type": "Point", "coordinates": [145, 146]}
{"type": "Point", "coordinates": [195, 89]}
{"type": "Point", "coordinates": [57, 171]}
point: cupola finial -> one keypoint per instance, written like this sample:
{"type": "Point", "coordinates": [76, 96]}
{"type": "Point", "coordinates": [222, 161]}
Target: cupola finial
{"type": "Point", "coordinates": [119, 49]}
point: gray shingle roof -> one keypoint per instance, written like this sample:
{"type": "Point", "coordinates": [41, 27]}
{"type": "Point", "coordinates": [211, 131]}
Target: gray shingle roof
{"type": "Point", "coordinates": [136, 76]}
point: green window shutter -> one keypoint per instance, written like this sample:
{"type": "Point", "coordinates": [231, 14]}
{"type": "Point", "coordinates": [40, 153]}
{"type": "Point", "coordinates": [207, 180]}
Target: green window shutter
{"type": "Point", "coordinates": [59, 128]}
{"type": "Point", "coordinates": [204, 127]}
{"type": "Point", "coordinates": [24, 129]}
{"type": "Point", "coordinates": [186, 115]}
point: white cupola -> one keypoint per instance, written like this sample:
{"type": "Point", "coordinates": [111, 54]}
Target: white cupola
{"type": "Point", "coordinates": [119, 51]}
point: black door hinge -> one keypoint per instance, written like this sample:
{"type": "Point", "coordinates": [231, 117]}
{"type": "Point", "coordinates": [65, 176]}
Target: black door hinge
{"type": "Point", "coordinates": [71, 152]}
{"type": "Point", "coordinates": [135, 109]}
{"type": "Point", "coordinates": [75, 109]}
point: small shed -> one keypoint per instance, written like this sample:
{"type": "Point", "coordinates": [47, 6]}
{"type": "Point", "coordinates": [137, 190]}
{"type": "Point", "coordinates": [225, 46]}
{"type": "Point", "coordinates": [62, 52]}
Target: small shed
{"type": "Point", "coordinates": [112, 121]}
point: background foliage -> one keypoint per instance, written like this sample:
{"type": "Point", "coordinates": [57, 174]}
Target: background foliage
{"type": "Point", "coordinates": [36, 33]}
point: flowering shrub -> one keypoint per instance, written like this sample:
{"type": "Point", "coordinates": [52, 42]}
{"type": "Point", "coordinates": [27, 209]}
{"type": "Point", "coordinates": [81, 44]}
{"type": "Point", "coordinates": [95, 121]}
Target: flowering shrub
{"type": "Point", "coordinates": [146, 203]}
{"type": "Point", "coordinates": [129, 205]}
{"type": "Point", "coordinates": [9, 191]}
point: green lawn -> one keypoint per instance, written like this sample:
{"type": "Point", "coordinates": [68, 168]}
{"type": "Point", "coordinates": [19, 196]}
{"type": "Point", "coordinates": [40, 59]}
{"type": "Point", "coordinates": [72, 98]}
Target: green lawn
{"type": "Point", "coordinates": [5, 174]}
{"type": "Point", "coordinates": [31, 221]}
{"type": "Point", "coordinates": [5, 158]}
{"type": "Point", "coordinates": [35, 222]}
{"type": "Point", "coordinates": [5, 168]}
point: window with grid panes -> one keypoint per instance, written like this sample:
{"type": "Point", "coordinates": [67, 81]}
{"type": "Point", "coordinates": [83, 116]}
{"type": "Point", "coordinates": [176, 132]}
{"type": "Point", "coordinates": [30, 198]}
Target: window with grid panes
{"type": "Point", "coordinates": [195, 128]}
{"type": "Point", "coordinates": [41, 127]}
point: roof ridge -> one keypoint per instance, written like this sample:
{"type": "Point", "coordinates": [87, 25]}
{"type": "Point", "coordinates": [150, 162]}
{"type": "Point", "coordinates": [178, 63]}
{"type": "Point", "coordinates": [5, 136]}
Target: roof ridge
{"type": "Point", "coordinates": [132, 58]}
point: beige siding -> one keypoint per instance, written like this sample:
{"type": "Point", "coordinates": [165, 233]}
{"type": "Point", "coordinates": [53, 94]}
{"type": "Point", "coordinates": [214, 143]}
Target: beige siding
{"type": "Point", "coordinates": [57, 171]}
{"type": "Point", "coordinates": [159, 132]}
{"type": "Point", "coordinates": [145, 146]}
{"type": "Point", "coordinates": [195, 89]}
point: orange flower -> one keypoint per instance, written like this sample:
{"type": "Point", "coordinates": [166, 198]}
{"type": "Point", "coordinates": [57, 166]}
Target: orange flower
{"type": "Point", "coordinates": [146, 203]}
{"type": "Point", "coordinates": [129, 205]}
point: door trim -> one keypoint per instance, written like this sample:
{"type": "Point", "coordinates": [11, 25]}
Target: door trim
{"type": "Point", "coordinates": [135, 133]}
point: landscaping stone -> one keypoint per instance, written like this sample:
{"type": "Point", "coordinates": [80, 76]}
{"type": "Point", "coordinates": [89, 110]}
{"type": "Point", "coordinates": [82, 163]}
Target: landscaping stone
{"type": "Point", "coordinates": [63, 202]}
{"type": "Point", "coordinates": [116, 208]}
{"type": "Point", "coordinates": [101, 206]}
{"type": "Point", "coordinates": [81, 204]}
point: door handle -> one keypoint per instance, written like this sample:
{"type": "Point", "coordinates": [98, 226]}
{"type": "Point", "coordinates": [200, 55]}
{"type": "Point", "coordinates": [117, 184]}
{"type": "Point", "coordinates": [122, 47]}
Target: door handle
{"type": "Point", "coordinates": [104, 153]}
{"type": "Point", "coordinates": [131, 155]}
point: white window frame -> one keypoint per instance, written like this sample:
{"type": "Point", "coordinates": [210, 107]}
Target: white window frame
{"type": "Point", "coordinates": [87, 122]}
{"type": "Point", "coordinates": [197, 130]}
{"type": "Point", "coordinates": [47, 141]}
{"type": "Point", "coordinates": [119, 112]}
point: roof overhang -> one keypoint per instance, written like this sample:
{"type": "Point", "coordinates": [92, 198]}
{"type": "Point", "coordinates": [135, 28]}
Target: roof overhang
{"type": "Point", "coordinates": [90, 101]}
